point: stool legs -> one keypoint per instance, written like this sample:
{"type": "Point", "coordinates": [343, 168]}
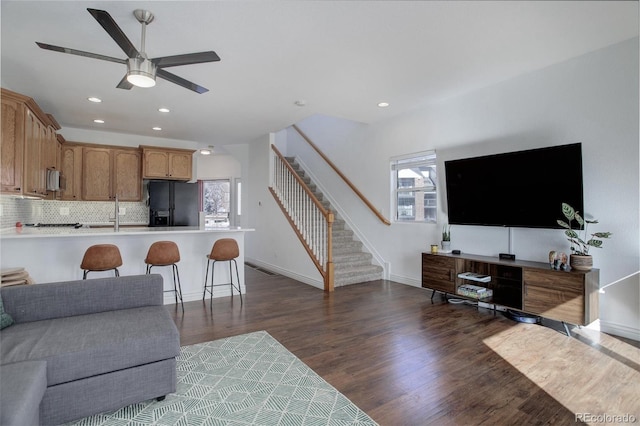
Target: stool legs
{"type": "Point", "coordinates": [233, 285]}
{"type": "Point", "coordinates": [86, 272]}
{"type": "Point", "coordinates": [177, 290]}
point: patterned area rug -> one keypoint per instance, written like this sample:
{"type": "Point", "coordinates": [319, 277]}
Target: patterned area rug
{"type": "Point", "coordinates": [249, 379]}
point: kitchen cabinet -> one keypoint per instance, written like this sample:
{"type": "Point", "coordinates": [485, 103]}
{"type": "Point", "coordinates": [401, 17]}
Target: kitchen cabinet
{"type": "Point", "coordinates": [12, 146]}
{"type": "Point", "coordinates": [127, 174]}
{"type": "Point", "coordinates": [166, 163]}
{"type": "Point", "coordinates": [71, 167]}
{"type": "Point", "coordinates": [28, 145]}
{"type": "Point", "coordinates": [108, 171]}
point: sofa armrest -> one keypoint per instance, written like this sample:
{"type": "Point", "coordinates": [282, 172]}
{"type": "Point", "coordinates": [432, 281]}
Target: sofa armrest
{"type": "Point", "coordinates": [26, 303]}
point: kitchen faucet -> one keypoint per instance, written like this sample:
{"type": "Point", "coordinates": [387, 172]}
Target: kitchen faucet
{"type": "Point", "coordinates": [116, 222]}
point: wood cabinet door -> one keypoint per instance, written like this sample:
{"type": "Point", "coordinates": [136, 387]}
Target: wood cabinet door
{"type": "Point", "coordinates": [33, 173]}
{"type": "Point", "coordinates": [72, 171]}
{"type": "Point", "coordinates": [156, 164]}
{"type": "Point", "coordinates": [438, 273]}
{"type": "Point", "coordinates": [127, 175]}
{"type": "Point", "coordinates": [180, 165]}
{"type": "Point", "coordinates": [12, 146]}
{"type": "Point", "coordinates": [555, 295]}
{"type": "Point", "coordinates": [96, 174]}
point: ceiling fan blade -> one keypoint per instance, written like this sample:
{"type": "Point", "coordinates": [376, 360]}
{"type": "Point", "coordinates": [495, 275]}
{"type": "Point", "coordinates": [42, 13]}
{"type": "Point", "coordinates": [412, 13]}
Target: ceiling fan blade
{"type": "Point", "coordinates": [124, 84]}
{"type": "Point", "coordinates": [115, 32]}
{"type": "Point", "coordinates": [187, 59]}
{"type": "Point", "coordinates": [180, 81]}
{"type": "Point", "coordinates": [80, 53]}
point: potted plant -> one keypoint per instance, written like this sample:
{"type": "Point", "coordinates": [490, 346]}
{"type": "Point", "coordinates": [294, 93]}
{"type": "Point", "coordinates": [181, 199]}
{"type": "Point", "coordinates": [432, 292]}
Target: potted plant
{"type": "Point", "coordinates": [580, 258]}
{"type": "Point", "coordinates": [446, 237]}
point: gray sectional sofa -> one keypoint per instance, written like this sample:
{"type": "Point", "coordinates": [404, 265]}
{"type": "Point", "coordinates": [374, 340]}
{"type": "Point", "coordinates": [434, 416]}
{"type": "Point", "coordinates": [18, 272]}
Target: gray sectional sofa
{"type": "Point", "coordinates": [79, 348]}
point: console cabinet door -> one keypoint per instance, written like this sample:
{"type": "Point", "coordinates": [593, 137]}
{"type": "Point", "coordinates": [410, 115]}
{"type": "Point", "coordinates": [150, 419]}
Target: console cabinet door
{"type": "Point", "coordinates": [556, 295]}
{"type": "Point", "coordinates": [12, 146]}
{"type": "Point", "coordinates": [438, 273]}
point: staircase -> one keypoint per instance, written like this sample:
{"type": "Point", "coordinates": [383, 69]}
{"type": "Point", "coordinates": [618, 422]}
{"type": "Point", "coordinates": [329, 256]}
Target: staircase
{"type": "Point", "coordinates": [351, 264]}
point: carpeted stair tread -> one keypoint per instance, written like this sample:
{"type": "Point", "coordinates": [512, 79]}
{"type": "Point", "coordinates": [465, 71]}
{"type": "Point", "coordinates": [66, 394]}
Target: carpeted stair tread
{"type": "Point", "coordinates": [352, 265]}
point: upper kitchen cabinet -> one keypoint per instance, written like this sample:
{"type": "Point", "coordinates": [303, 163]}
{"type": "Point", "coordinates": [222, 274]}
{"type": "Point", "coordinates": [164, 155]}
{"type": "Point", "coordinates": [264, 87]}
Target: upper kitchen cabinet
{"type": "Point", "coordinates": [166, 163]}
{"type": "Point", "coordinates": [127, 178]}
{"type": "Point", "coordinates": [71, 167]}
{"type": "Point", "coordinates": [12, 145]}
{"type": "Point", "coordinates": [28, 146]}
{"type": "Point", "coordinates": [110, 171]}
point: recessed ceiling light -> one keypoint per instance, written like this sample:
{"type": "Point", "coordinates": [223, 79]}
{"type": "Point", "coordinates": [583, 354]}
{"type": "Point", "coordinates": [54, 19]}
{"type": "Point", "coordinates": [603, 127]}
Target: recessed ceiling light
{"type": "Point", "coordinates": [383, 104]}
{"type": "Point", "coordinates": [163, 109]}
{"type": "Point", "coordinates": [157, 128]}
{"type": "Point", "coordinates": [94, 99]}
{"type": "Point", "coordinates": [97, 120]}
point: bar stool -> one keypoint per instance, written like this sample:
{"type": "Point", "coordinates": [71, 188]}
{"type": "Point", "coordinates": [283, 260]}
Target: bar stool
{"type": "Point", "coordinates": [101, 257]}
{"type": "Point", "coordinates": [224, 250]}
{"type": "Point", "coordinates": [165, 253]}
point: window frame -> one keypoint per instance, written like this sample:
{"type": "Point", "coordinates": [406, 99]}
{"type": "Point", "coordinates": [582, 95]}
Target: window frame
{"type": "Point", "coordinates": [419, 159]}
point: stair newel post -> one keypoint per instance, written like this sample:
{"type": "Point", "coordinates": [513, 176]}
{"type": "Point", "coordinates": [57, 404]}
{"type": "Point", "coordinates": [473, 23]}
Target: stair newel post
{"type": "Point", "coordinates": [329, 283]}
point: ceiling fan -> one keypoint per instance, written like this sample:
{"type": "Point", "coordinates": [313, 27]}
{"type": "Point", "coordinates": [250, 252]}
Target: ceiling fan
{"type": "Point", "coordinates": [141, 71]}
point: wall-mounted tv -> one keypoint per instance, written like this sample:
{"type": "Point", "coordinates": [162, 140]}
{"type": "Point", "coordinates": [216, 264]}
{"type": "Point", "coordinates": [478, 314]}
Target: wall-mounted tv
{"type": "Point", "coordinates": [515, 189]}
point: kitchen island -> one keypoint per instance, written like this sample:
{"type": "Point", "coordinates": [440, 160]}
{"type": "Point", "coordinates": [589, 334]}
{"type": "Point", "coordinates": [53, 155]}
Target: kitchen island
{"type": "Point", "coordinates": [54, 254]}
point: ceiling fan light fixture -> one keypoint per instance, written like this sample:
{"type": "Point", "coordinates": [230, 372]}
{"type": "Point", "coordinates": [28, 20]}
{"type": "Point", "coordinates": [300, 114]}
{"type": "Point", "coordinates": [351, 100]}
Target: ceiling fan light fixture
{"type": "Point", "coordinates": [141, 72]}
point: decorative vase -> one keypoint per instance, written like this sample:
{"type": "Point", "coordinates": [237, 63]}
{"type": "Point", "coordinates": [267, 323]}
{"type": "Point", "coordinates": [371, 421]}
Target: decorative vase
{"type": "Point", "coordinates": [581, 262]}
{"type": "Point", "coordinates": [446, 245]}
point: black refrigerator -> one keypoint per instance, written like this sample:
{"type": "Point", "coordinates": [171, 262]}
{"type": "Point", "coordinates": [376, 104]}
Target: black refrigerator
{"type": "Point", "coordinates": [173, 203]}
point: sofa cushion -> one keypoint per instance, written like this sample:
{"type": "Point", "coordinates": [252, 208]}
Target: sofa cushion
{"type": "Point", "coordinates": [22, 390]}
{"type": "Point", "coordinates": [5, 318]}
{"type": "Point", "coordinates": [83, 346]}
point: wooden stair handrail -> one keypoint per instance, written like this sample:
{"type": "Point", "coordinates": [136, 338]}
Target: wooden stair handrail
{"type": "Point", "coordinates": [344, 178]}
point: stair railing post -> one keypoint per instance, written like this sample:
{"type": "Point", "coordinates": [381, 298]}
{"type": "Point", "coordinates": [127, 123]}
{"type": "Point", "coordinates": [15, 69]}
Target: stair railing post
{"type": "Point", "coordinates": [329, 282]}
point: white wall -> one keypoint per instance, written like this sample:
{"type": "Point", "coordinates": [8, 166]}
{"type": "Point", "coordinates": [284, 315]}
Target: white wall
{"type": "Point", "coordinates": [591, 99]}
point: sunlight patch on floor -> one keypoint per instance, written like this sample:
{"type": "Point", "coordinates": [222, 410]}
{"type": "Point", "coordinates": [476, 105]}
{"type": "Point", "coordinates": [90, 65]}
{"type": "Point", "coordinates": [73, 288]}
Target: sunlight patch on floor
{"type": "Point", "coordinates": [571, 371]}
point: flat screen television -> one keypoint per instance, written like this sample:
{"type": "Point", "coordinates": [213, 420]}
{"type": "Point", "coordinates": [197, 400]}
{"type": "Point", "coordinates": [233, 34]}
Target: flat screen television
{"type": "Point", "coordinates": [515, 189]}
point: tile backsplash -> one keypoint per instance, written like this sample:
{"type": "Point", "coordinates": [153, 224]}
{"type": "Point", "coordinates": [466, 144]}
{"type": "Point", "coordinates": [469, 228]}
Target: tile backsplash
{"type": "Point", "coordinates": [14, 210]}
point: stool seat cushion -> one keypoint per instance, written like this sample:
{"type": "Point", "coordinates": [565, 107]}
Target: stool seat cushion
{"type": "Point", "coordinates": [224, 249]}
{"type": "Point", "coordinates": [162, 253]}
{"type": "Point", "coordinates": [101, 257]}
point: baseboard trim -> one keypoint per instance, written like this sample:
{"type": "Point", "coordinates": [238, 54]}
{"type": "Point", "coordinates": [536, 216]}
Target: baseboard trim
{"type": "Point", "coordinates": [620, 330]}
{"type": "Point", "coordinates": [405, 280]}
{"type": "Point", "coordinates": [298, 277]}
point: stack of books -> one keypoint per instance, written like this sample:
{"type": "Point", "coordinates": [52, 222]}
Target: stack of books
{"type": "Point", "coordinates": [475, 292]}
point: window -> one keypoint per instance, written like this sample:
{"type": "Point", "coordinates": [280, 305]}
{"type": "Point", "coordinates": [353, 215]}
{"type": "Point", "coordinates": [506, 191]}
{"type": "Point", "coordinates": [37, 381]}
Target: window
{"type": "Point", "coordinates": [216, 202]}
{"type": "Point", "coordinates": [414, 187]}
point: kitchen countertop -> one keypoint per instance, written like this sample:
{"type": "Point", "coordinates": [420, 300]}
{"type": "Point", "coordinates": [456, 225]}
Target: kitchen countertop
{"type": "Point", "coordinates": [33, 232]}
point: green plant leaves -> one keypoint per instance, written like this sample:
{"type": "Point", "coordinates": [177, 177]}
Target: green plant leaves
{"type": "Point", "coordinates": [568, 211]}
{"type": "Point", "coordinates": [571, 233]}
{"type": "Point", "coordinates": [563, 224]}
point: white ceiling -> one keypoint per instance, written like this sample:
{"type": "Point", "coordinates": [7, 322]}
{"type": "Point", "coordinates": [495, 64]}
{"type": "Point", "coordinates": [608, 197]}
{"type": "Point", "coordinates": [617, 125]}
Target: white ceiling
{"type": "Point", "coordinates": [341, 57]}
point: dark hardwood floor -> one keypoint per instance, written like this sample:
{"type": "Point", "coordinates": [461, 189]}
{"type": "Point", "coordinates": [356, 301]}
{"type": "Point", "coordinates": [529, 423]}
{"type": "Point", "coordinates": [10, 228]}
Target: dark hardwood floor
{"type": "Point", "coordinates": [407, 361]}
